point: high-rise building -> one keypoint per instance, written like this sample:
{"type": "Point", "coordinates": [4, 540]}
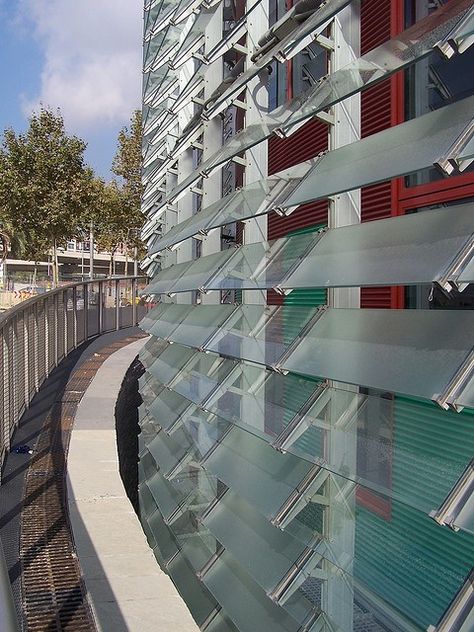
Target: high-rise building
{"type": "Point", "coordinates": [306, 446]}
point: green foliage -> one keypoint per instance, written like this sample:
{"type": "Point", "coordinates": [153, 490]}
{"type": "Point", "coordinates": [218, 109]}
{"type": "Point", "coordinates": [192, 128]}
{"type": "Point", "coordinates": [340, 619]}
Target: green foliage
{"type": "Point", "coordinates": [43, 180]}
{"type": "Point", "coordinates": [48, 194]}
{"type": "Point", "coordinates": [127, 164]}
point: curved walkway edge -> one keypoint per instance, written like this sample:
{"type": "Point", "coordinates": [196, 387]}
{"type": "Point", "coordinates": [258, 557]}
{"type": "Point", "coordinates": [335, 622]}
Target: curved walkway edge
{"type": "Point", "coordinates": [127, 590]}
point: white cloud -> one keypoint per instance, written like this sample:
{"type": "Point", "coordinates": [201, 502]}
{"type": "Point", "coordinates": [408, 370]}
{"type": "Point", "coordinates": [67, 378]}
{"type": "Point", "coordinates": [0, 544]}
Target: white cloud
{"type": "Point", "coordinates": [92, 59]}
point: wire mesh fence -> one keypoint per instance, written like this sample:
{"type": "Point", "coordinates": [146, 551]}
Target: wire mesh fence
{"type": "Point", "coordinates": [37, 334]}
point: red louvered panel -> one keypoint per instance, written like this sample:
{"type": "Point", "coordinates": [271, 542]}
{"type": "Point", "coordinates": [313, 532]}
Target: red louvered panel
{"type": "Point", "coordinates": [273, 298]}
{"type": "Point", "coordinates": [376, 297]}
{"type": "Point", "coordinates": [376, 103]}
{"type": "Point", "coordinates": [374, 23]}
{"type": "Point", "coordinates": [306, 143]}
{"type": "Point", "coordinates": [376, 201]}
{"type": "Point", "coordinates": [305, 216]}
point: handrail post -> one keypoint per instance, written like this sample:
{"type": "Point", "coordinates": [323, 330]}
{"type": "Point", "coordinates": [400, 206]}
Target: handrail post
{"type": "Point", "coordinates": [36, 345]}
{"type": "Point", "coordinates": [56, 323]}
{"type": "Point", "coordinates": [26, 358]}
{"type": "Point", "coordinates": [74, 316]}
{"type": "Point", "coordinates": [134, 301]}
{"type": "Point", "coordinates": [86, 311]}
{"type": "Point", "coordinates": [46, 339]}
{"type": "Point", "coordinates": [65, 326]}
{"type": "Point", "coordinates": [101, 307]}
{"type": "Point", "coordinates": [117, 305]}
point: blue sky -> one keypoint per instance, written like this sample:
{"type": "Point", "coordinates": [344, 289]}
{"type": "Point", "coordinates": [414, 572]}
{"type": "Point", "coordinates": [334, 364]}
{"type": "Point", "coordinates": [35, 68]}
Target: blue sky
{"type": "Point", "coordinates": [81, 56]}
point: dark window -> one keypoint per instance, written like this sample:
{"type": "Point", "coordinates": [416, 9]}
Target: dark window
{"type": "Point", "coordinates": [434, 82]}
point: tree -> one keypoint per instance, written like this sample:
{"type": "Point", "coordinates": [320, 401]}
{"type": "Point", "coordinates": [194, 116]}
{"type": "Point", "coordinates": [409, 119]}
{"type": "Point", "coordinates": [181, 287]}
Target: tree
{"type": "Point", "coordinates": [127, 164]}
{"type": "Point", "coordinates": [44, 183]}
{"type": "Point", "coordinates": [108, 216]}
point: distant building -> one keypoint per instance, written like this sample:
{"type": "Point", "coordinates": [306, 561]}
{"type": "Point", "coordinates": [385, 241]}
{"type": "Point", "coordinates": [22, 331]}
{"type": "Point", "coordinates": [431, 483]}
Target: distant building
{"type": "Point", "coordinates": [306, 447]}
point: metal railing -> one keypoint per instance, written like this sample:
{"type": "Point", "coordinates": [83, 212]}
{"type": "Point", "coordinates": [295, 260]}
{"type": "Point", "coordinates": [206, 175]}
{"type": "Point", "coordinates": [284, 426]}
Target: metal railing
{"type": "Point", "coordinates": [34, 337]}
{"type": "Point", "coordinates": [38, 333]}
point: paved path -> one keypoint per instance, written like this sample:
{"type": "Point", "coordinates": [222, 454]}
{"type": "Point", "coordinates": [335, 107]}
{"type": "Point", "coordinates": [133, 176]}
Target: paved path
{"type": "Point", "coordinates": [127, 589]}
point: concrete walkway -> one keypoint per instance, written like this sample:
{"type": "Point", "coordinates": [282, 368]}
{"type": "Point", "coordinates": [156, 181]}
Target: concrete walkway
{"type": "Point", "coordinates": [127, 589]}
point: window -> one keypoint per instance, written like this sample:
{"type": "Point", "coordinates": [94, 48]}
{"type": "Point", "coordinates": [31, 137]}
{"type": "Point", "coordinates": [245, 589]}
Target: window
{"type": "Point", "coordinates": [432, 296]}
{"type": "Point", "coordinates": [434, 82]}
{"type": "Point", "coordinates": [278, 72]}
{"type": "Point", "coordinates": [374, 450]}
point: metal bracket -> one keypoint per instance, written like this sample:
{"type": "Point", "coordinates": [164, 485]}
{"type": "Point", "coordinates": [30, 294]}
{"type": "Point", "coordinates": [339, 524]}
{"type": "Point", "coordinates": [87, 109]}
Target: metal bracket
{"type": "Point", "coordinates": [448, 278]}
{"type": "Point", "coordinates": [294, 577]}
{"type": "Point", "coordinates": [456, 499]}
{"type": "Point", "coordinates": [459, 610]}
{"type": "Point", "coordinates": [456, 385]}
{"type": "Point", "coordinates": [209, 564]}
{"type": "Point", "coordinates": [316, 316]}
{"type": "Point", "coordinates": [447, 162]}
{"type": "Point", "coordinates": [300, 497]}
{"type": "Point", "coordinates": [299, 424]}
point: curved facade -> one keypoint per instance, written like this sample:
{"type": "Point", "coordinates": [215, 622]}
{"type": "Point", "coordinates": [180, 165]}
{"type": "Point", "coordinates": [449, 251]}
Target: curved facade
{"type": "Point", "coordinates": [306, 429]}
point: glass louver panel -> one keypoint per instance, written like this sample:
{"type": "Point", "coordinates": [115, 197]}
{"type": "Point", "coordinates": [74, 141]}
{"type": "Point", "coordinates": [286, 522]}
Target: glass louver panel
{"type": "Point", "coordinates": [195, 38]}
{"type": "Point", "coordinates": [169, 407]}
{"type": "Point", "coordinates": [170, 362]}
{"type": "Point", "coordinates": [415, 248]}
{"type": "Point", "coordinates": [466, 397]}
{"type": "Point", "coordinates": [168, 88]}
{"type": "Point", "coordinates": [168, 319]}
{"type": "Point", "coordinates": [415, 352]}
{"type": "Point", "coordinates": [168, 451]}
{"type": "Point", "coordinates": [465, 519]}
{"type": "Point", "coordinates": [257, 333]}
{"type": "Point", "coordinates": [147, 502]}
{"type": "Point", "coordinates": [467, 275]}
{"type": "Point", "coordinates": [241, 460]}
{"type": "Point", "coordinates": [265, 552]}
{"type": "Point", "coordinates": [200, 543]}
{"type": "Point", "coordinates": [193, 326]}
{"type": "Point", "coordinates": [320, 17]}
{"type": "Point", "coordinates": [372, 67]}
{"type": "Point", "coordinates": [360, 424]}
{"type": "Point", "coordinates": [201, 376]}
{"type": "Point", "coordinates": [194, 593]}
{"type": "Point", "coordinates": [165, 278]}
{"type": "Point", "coordinates": [414, 145]}
{"type": "Point", "coordinates": [152, 348]}
{"type": "Point", "coordinates": [221, 623]}
{"type": "Point", "coordinates": [403, 535]}
{"type": "Point", "coordinates": [166, 545]}
{"type": "Point", "coordinates": [168, 498]}
{"type": "Point", "coordinates": [254, 199]}
{"type": "Point", "coordinates": [232, 587]}
{"type": "Point", "coordinates": [185, 9]}
{"type": "Point", "coordinates": [149, 320]}
{"type": "Point", "coordinates": [190, 275]}
{"type": "Point", "coordinates": [257, 400]}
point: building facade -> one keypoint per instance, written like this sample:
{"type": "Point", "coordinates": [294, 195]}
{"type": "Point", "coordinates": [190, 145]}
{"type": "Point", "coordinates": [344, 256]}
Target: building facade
{"type": "Point", "coordinates": [306, 447]}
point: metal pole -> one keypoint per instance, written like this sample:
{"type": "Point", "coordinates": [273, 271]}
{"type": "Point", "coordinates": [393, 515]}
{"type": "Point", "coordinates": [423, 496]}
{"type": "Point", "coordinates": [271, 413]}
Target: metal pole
{"type": "Point", "coordinates": [135, 261]}
{"type": "Point", "coordinates": [117, 305]}
{"type": "Point", "coordinates": [86, 312]}
{"type": "Point", "coordinates": [101, 306]}
{"type": "Point", "coordinates": [134, 301]}
{"type": "Point", "coordinates": [91, 251]}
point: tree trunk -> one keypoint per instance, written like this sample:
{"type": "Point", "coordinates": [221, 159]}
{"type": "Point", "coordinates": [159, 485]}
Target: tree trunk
{"type": "Point", "coordinates": [126, 260]}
